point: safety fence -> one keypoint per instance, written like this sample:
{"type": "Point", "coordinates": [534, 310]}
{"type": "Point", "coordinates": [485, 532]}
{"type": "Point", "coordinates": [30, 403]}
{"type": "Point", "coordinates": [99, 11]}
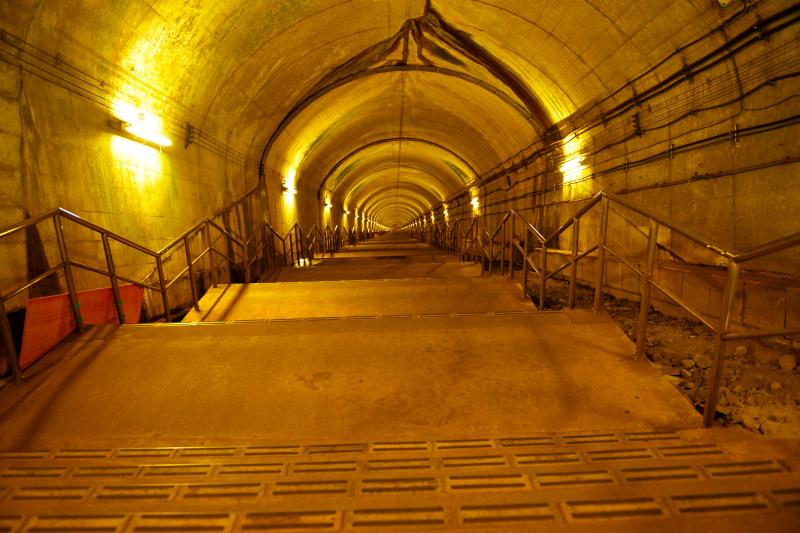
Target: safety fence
{"type": "Point", "coordinates": [236, 245]}
{"type": "Point", "coordinates": [514, 244]}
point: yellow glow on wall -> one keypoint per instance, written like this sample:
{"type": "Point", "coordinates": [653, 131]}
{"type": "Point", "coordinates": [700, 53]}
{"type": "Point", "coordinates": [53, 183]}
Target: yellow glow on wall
{"type": "Point", "coordinates": [474, 194]}
{"type": "Point", "coordinates": [572, 168]}
{"type": "Point", "coordinates": [289, 189]}
{"type": "Point", "coordinates": [141, 124]}
{"type": "Point", "coordinates": [144, 164]}
{"type": "Point", "coordinates": [574, 171]}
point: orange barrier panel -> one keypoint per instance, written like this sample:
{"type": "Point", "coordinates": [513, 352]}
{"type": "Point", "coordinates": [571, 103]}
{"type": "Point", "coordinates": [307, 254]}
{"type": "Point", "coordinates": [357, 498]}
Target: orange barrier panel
{"type": "Point", "coordinates": [48, 320]}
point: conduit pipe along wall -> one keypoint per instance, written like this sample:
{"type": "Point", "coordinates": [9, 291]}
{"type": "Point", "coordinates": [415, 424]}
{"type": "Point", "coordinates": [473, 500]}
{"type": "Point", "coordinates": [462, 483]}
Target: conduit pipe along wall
{"type": "Point", "coordinates": [480, 80]}
{"type": "Point", "coordinates": [707, 136]}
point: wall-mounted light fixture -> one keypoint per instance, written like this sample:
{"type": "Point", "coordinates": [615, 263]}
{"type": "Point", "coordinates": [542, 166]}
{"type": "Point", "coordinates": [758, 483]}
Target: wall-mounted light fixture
{"type": "Point", "coordinates": [139, 126]}
{"type": "Point", "coordinates": [288, 189]}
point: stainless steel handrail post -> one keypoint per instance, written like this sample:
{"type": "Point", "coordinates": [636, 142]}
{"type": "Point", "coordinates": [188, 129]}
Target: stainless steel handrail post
{"type": "Point", "coordinates": [573, 271]}
{"type": "Point", "coordinates": [525, 265]}
{"type": "Point", "coordinates": [192, 284]}
{"type": "Point", "coordinates": [543, 277]}
{"type": "Point", "coordinates": [600, 266]}
{"type": "Point", "coordinates": [65, 263]}
{"type": "Point", "coordinates": [245, 262]}
{"type": "Point", "coordinates": [503, 249]}
{"type": "Point", "coordinates": [163, 285]}
{"type": "Point", "coordinates": [644, 309]}
{"type": "Point", "coordinates": [491, 256]}
{"type": "Point", "coordinates": [269, 249]}
{"type": "Point", "coordinates": [511, 245]}
{"type": "Point", "coordinates": [113, 276]}
{"type": "Point", "coordinates": [728, 299]}
{"type": "Point", "coordinates": [211, 260]}
{"type": "Point", "coordinates": [8, 341]}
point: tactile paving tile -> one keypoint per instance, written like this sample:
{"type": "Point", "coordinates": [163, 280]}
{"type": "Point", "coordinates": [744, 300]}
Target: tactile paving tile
{"type": "Point", "coordinates": [463, 483]}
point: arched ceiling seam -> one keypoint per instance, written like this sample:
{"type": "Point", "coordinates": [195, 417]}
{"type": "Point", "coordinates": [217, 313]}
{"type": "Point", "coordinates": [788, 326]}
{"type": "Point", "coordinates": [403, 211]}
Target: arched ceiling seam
{"type": "Point", "coordinates": [363, 147]}
{"type": "Point", "coordinates": [310, 99]}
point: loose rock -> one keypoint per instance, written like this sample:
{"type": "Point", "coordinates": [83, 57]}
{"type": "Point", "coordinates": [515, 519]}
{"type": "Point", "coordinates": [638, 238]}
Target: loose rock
{"type": "Point", "coordinates": [776, 386]}
{"type": "Point", "coordinates": [703, 361]}
{"type": "Point", "coordinates": [740, 351]}
{"type": "Point", "coordinates": [787, 362]}
{"type": "Point", "coordinates": [685, 373]}
{"type": "Point", "coordinates": [688, 364]}
{"type": "Point", "coordinates": [668, 370]}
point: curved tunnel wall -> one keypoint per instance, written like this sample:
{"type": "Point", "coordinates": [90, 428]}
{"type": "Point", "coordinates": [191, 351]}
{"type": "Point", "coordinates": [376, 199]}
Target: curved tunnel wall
{"type": "Point", "coordinates": [687, 107]}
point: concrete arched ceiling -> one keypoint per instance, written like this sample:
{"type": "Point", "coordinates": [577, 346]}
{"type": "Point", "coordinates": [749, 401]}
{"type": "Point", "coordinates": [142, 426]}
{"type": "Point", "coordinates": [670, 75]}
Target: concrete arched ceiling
{"type": "Point", "coordinates": [384, 184]}
{"type": "Point", "coordinates": [300, 84]}
{"type": "Point", "coordinates": [444, 170]}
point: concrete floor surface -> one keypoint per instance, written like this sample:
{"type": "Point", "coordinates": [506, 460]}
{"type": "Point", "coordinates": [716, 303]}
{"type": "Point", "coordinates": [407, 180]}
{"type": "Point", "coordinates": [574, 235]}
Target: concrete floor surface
{"type": "Point", "coordinates": [342, 381]}
{"type": "Point", "coordinates": [353, 270]}
{"type": "Point", "coordinates": [360, 297]}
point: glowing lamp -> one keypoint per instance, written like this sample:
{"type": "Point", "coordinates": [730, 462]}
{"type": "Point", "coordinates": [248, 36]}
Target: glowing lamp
{"type": "Point", "coordinates": [139, 126]}
{"type": "Point", "coordinates": [288, 189]}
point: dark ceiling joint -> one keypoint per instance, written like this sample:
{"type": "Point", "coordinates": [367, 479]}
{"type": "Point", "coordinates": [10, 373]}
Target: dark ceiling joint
{"type": "Point", "coordinates": [385, 141]}
{"type": "Point", "coordinates": [464, 43]}
{"type": "Point", "coordinates": [433, 24]}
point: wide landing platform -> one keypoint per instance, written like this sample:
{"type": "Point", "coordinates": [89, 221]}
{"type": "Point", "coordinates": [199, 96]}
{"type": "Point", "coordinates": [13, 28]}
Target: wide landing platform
{"type": "Point", "coordinates": [340, 379]}
{"type": "Point", "coordinates": [385, 297]}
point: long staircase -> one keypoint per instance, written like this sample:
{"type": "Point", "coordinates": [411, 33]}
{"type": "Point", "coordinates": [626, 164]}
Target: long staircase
{"type": "Point", "coordinates": [387, 387]}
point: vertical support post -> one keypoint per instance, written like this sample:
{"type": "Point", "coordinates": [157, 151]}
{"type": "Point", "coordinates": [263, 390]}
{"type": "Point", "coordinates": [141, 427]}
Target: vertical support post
{"type": "Point", "coordinates": [525, 265]}
{"type": "Point", "coordinates": [192, 281]}
{"type": "Point", "coordinates": [728, 299]}
{"type": "Point", "coordinates": [266, 249]}
{"type": "Point", "coordinates": [245, 262]}
{"type": "Point", "coordinates": [8, 342]}
{"type": "Point", "coordinates": [543, 277]}
{"type": "Point", "coordinates": [210, 248]}
{"type": "Point", "coordinates": [67, 266]}
{"type": "Point", "coordinates": [511, 245]}
{"type": "Point", "coordinates": [600, 266]}
{"type": "Point", "coordinates": [644, 308]}
{"type": "Point", "coordinates": [163, 285]}
{"type": "Point", "coordinates": [573, 269]}
{"type": "Point", "coordinates": [491, 256]}
{"type": "Point", "coordinates": [503, 250]}
{"type": "Point", "coordinates": [113, 277]}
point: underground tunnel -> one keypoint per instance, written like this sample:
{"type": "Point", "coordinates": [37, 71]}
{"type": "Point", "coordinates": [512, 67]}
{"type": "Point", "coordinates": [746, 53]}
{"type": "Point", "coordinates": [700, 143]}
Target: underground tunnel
{"type": "Point", "coordinates": [399, 264]}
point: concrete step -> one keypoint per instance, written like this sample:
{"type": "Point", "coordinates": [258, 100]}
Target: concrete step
{"type": "Point", "coordinates": [716, 480]}
{"type": "Point", "coordinates": [368, 378]}
{"type": "Point", "coordinates": [341, 270]}
{"type": "Point", "coordinates": [359, 297]}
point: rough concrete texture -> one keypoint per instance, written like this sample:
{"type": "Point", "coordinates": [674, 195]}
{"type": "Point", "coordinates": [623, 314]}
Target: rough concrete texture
{"type": "Point", "coordinates": [350, 270]}
{"type": "Point", "coordinates": [433, 421]}
{"type": "Point", "coordinates": [368, 297]}
{"type": "Point", "coordinates": [341, 380]}
{"type": "Point", "coordinates": [391, 130]}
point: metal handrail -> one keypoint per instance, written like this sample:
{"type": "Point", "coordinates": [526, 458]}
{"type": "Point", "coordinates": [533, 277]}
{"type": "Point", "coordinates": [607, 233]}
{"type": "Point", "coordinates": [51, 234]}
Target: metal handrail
{"type": "Point", "coordinates": [258, 240]}
{"type": "Point", "coordinates": [541, 243]}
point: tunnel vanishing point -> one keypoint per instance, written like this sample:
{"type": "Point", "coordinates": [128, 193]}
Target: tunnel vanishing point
{"type": "Point", "coordinates": [464, 265]}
